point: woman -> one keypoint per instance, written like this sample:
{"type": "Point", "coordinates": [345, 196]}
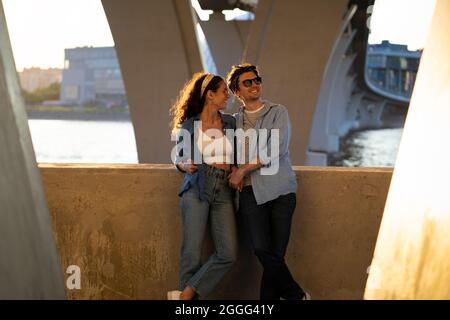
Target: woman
{"type": "Point", "coordinates": [200, 128]}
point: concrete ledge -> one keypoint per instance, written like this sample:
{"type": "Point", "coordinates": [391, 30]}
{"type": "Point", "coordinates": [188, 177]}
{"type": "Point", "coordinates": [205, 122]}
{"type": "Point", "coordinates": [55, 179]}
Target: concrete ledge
{"type": "Point", "coordinates": [120, 224]}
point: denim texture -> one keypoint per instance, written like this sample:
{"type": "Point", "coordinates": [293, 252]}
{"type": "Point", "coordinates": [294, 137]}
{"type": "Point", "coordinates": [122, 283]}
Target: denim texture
{"type": "Point", "coordinates": [197, 178]}
{"type": "Point", "coordinates": [269, 227]}
{"type": "Point", "coordinates": [203, 278]}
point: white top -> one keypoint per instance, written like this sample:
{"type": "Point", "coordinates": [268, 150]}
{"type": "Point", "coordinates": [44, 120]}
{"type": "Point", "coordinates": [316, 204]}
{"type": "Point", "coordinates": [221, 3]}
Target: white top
{"type": "Point", "coordinates": [255, 111]}
{"type": "Point", "coordinates": [215, 150]}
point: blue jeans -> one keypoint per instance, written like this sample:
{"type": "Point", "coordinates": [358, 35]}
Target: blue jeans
{"type": "Point", "coordinates": [269, 227]}
{"type": "Point", "coordinates": [195, 213]}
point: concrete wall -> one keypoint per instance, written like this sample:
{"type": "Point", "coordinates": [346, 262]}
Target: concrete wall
{"type": "Point", "coordinates": [121, 225]}
{"type": "Point", "coordinates": [29, 263]}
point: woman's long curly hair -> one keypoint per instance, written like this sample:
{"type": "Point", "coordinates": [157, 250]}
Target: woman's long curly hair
{"type": "Point", "coordinates": [189, 102]}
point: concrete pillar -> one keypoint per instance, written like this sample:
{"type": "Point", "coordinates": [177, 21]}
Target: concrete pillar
{"type": "Point", "coordinates": [370, 113]}
{"type": "Point", "coordinates": [226, 40]}
{"type": "Point", "coordinates": [411, 256]}
{"type": "Point", "coordinates": [158, 52]}
{"type": "Point", "coordinates": [29, 262]}
{"type": "Point", "coordinates": [354, 109]}
{"type": "Point", "coordinates": [323, 138]}
{"type": "Point", "coordinates": [291, 41]}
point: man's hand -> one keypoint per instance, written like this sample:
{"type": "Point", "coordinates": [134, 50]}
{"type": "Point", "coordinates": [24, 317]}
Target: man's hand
{"type": "Point", "coordinates": [236, 178]}
{"type": "Point", "coordinates": [188, 166]}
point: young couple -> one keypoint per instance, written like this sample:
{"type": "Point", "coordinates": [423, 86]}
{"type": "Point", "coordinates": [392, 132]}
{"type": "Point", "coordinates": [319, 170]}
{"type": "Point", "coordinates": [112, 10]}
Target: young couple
{"type": "Point", "coordinates": [267, 201]}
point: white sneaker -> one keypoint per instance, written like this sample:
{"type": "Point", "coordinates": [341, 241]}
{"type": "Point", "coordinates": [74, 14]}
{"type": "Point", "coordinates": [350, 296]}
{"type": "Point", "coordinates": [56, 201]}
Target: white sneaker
{"type": "Point", "coordinates": [173, 295]}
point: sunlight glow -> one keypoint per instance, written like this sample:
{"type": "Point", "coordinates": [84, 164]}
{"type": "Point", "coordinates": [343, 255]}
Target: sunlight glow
{"type": "Point", "coordinates": [40, 30]}
{"type": "Point", "coordinates": [401, 22]}
{"type": "Point", "coordinates": [202, 14]}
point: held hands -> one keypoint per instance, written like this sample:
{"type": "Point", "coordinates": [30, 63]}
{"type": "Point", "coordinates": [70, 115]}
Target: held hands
{"type": "Point", "coordinates": [188, 166]}
{"type": "Point", "coordinates": [236, 178]}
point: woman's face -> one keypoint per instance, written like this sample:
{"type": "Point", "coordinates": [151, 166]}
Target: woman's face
{"type": "Point", "coordinates": [220, 97]}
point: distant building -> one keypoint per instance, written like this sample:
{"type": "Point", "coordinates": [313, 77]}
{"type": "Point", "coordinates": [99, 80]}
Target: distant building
{"type": "Point", "coordinates": [392, 69]}
{"type": "Point", "coordinates": [92, 75]}
{"type": "Point", "coordinates": [36, 78]}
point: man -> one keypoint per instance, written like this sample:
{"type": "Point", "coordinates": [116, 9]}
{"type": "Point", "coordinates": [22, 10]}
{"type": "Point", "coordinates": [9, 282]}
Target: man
{"type": "Point", "coordinates": [267, 197]}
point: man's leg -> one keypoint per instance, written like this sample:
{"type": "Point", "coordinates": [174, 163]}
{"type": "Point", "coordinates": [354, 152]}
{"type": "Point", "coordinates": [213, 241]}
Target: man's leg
{"type": "Point", "coordinates": [280, 221]}
{"type": "Point", "coordinates": [258, 225]}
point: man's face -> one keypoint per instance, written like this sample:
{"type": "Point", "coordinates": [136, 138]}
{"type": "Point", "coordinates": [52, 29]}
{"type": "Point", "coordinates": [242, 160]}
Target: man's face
{"type": "Point", "coordinates": [248, 90]}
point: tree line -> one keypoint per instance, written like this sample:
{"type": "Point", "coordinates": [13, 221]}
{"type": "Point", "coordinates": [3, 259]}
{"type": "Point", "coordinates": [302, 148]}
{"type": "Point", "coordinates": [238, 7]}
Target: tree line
{"type": "Point", "coordinates": [40, 95]}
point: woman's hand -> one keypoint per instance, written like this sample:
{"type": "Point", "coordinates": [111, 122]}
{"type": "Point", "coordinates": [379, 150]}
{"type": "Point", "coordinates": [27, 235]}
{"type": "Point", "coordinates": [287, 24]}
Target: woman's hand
{"type": "Point", "coordinates": [188, 166]}
{"type": "Point", "coordinates": [236, 178]}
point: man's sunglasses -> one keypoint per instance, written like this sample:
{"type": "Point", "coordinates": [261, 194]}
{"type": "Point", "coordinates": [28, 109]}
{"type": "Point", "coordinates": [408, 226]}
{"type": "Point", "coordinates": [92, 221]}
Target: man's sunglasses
{"type": "Point", "coordinates": [248, 83]}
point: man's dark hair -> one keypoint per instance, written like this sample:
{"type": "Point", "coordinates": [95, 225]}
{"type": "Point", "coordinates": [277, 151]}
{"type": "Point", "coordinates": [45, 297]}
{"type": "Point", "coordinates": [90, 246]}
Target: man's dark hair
{"type": "Point", "coordinates": [236, 71]}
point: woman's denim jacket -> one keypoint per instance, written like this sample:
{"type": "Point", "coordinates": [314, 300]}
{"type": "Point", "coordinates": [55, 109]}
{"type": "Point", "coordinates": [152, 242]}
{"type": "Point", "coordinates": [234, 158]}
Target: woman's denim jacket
{"type": "Point", "coordinates": [188, 128]}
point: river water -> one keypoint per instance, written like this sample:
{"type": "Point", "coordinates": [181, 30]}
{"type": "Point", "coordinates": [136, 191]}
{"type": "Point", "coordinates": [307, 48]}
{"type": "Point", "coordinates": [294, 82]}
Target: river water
{"type": "Point", "coordinates": [80, 141]}
{"type": "Point", "coordinates": [369, 148]}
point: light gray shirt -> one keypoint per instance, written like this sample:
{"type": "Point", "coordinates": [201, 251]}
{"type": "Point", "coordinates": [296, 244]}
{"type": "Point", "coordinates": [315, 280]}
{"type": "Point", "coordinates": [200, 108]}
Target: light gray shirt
{"type": "Point", "coordinates": [284, 181]}
{"type": "Point", "coordinates": [250, 119]}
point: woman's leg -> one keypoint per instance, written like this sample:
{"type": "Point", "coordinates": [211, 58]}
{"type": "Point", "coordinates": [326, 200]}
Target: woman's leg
{"type": "Point", "coordinates": [223, 232]}
{"type": "Point", "coordinates": [194, 215]}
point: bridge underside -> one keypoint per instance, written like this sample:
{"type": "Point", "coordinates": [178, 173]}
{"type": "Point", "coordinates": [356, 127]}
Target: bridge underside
{"type": "Point", "coordinates": [156, 42]}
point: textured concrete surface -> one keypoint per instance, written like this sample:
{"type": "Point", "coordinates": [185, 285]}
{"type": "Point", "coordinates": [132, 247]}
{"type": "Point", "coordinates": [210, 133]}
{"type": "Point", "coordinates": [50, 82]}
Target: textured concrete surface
{"type": "Point", "coordinates": [29, 264]}
{"type": "Point", "coordinates": [412, 253]}
{"type": "Point", "coordinates": [120, 224]}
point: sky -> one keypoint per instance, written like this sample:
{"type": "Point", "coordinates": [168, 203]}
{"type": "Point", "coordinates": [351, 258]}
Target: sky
{"type": "Point", "coordinates": [40, 30]}
{"type": "Point", "coordinates": [401, 21]}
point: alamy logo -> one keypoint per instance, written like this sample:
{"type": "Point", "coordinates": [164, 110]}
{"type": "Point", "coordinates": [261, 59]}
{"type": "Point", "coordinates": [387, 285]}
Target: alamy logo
{"type": "Point", "coordinates": [248, 146]}
{"type": "Point", "coordinates": [74, 280]}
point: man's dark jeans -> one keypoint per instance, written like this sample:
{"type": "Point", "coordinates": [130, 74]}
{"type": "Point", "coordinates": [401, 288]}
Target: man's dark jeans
{"type": "Point", "coordinates": [269, 227]}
